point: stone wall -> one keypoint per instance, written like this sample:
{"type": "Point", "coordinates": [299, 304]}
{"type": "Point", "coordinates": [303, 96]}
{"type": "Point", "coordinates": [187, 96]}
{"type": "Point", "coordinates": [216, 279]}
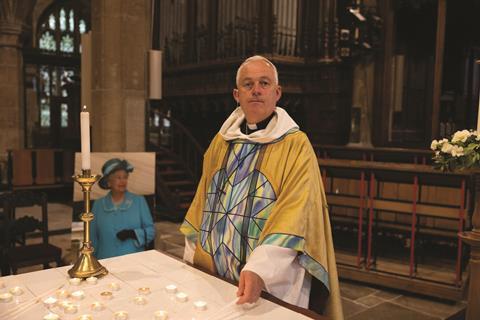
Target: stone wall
{"type": "Point", "coordinates": [120, 37]}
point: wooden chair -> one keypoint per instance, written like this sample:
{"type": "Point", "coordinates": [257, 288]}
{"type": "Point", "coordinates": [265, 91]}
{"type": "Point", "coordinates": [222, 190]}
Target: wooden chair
{"type": "Point", "coordinates": [18, 252]}
{"type": "Point", "coordinates": [4, 208]}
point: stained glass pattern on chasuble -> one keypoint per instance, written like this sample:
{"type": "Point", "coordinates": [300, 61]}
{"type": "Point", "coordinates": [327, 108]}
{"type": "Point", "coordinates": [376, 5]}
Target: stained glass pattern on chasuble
{"type": "Point", "coordinates": [238, 202]}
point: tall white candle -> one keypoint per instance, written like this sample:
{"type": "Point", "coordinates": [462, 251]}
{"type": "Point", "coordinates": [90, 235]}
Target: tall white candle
{"type": "Point", "coordinates": [85, 135]}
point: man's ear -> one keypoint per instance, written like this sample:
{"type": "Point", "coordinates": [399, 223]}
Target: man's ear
{"type": "Point", "coordinates": [279, 92]}
{"type": "Point", "coordinates": [236, 95]}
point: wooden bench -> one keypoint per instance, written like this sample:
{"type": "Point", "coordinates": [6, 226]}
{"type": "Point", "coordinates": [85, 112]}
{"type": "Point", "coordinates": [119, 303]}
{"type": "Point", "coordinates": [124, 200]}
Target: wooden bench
{"type": "Point", "coordinates": [388, 217]}
{"type": "Point", "coordinates": [39, 168]}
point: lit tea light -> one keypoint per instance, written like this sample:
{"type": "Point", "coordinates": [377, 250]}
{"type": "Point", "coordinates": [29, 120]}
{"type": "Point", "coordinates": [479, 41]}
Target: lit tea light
{"type": "Point", "coordinates": [97, 306]}
{"type": "Point", "coordinates": [92, 280]}
{"type": "Point", "coordinates": [161, 315]}
{"type": "Point", "coordinates": [181, 297]}
{"type": "Point", "coordinates": [70, 308]}
{"type": "Point", "coordinates": [62, 293]}
{"type": "Point", "coordinates": [171, 288]}
{"type": "Point", "coordinates": [200, 305]}
{"type": "Point", "coordinates": [16, 291]}
{"type": "Point", "coordinates": [51, 316]}
{"type": "Point", "coordinates": [114, 286]}
{"type": "Point", "coordinates": [6, 297]}
{"type": "Point", "coordinates": [78, 295]}
{"type": "Point", "coordinates": [75, 281]}
{"type": "Point", "coordinates": [85, 317]}
{"type": "Point", "coordinates": [140, 300]}
{"type": "Point", "coordinates": [50, 302]}
{"type": "Point", "coordinates": [107, 295]}
{"type": "Point", "coordinates": [144, 290]}
{"type": "Point", "coordinates": [63, 304]}
{"type": "Point", "coordinates": [121, 315]}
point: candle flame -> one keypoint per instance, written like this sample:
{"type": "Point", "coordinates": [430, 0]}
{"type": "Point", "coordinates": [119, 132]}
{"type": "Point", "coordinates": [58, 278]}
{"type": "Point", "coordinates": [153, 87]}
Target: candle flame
{"type": "Point", "coordinates": [84, 109]}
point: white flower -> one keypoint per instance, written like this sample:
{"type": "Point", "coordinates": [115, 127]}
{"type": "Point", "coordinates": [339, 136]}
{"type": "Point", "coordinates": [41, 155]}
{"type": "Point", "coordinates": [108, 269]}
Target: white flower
{"type": "Point", "coordinates": [457, 151]}
{"type": "Point", "coordinates": [434, 145]}
{"type": "Point", "coordinates": [461, 136]}
{"type": "Point", "coordinates": [447, 148]}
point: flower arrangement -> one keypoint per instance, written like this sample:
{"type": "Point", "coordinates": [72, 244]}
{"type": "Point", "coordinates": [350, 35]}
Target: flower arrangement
{"type": "Point", "coordinates": [462, 151]}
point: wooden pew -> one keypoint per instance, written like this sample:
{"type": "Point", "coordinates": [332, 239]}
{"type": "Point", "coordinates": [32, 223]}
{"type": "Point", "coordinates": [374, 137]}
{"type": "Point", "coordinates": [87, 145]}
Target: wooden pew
{"type": "Point", "coordinates": [387, 217]}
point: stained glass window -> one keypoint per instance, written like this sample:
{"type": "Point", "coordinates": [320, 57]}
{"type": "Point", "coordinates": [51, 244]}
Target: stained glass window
{"type": "Point", "coordinates": [82, 26]}
{"type": "Point", "coordinates": [45, 81]}
{"type": "Point", "coordinates": [61, 28]}
{"type": "Point", "coordinates": [64, 115]}
{"type": "Point", "coordinates": [63, 20]}
{"type": "Point", "coordinates": [47, 42]}
{"type": "Point", "coordinates": [66, 45]}
{"type": "Point", "coordinates": [44, 114]}
{"type": "Point", "coordinates": [51, 22]}
{"type": "Point", "coordinates": [71, 21]}
{"type": "Point", "coordinates": [58, 36]}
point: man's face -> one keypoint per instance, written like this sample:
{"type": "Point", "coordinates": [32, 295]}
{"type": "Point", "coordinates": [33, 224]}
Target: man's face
{"type": "Point", "coordinates": [256, 91]}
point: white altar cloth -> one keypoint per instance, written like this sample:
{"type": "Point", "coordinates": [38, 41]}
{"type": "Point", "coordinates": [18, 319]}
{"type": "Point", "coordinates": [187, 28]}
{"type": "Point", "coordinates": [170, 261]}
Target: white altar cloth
{"type": "Point", "coordinates": [150, 269]}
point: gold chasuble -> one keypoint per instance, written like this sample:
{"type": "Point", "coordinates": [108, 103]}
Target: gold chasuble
{"type": "Point", "coordinates": [254, 193]}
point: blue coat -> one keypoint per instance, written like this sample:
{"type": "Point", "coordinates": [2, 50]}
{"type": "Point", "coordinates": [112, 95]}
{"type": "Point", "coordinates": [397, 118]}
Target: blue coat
{"type": "Point", "coordinates": [132, 213]}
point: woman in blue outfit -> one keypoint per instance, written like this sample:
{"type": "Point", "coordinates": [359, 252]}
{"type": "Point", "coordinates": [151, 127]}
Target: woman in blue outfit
{"type": "Point", "coordinates": [122, 223]}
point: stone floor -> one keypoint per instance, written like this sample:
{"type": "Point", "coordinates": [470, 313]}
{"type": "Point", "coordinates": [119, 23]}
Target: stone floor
{"type": "Point", "coordinates": [360, 301]}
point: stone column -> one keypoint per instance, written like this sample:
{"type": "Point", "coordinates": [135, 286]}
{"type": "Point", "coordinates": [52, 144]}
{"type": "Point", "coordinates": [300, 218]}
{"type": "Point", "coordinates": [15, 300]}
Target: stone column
{"type": "Point", "coordinates": [120, 40]}
{"type": "Point", "coordinates": [13, 24]}
{"type": "Point", "coordinates": [11, 84]}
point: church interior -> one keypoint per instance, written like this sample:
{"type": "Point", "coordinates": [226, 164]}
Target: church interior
{"type": "Point", "coordinates": [371, 82]}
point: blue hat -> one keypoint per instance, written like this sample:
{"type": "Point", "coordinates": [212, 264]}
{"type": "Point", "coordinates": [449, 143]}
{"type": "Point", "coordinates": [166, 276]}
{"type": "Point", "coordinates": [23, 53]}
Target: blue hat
{"type": "Point", "coordinates": [109, 167]}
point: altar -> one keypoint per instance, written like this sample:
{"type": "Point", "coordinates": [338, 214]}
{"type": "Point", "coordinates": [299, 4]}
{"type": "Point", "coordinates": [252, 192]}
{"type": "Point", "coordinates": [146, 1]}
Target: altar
{"type": "Point", "coordinates": [145, 285]}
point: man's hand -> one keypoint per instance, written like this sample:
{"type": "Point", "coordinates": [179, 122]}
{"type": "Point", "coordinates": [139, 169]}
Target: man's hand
{"type": "Point", "coordinates": [249, 287]}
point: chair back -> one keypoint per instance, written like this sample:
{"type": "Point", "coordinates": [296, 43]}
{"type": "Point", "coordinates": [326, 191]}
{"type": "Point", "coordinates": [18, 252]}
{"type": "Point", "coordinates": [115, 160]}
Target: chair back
{"type": "Point", "coordinates": [4, 234]}
{"type": "Point", "coordinates": [22, 225]}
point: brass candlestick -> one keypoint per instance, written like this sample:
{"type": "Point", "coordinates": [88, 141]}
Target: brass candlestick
{"type": "Point", "coordinates": [87, 265]}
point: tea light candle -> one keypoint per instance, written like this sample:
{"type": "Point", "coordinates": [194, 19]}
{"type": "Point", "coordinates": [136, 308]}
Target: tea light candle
{"type": "Point", "coordinates": [107, 295]}
{"type": "Point", "coordinates": [62, 293]}
{"type": "Point", "coordinates": [92, 280]}
{"type": "Point", "coordinates": [6, 297]}
{"type": "Point", "coordinates": [114, 286]}
{"type": "Point", "coordinates": [181, 297]}
{"type": "Point", "coordinates": [50, 302]}
{"type": "Point", "coordinates": [97, 306]}
{"type": "Point", "coordinates": [51, 316]}
{"type": "Point", "coordinates": [140, 300]}
{"type": "Point", "coordinates": [121, 315]}
{"type": "Point", "coordinates": [200, 305]}
{"type": "Point", "coordinates": [75, 281]}
{"type": "Point", "coordinates": [144, 290]}
{"type": "Point", "coordinates": [85, 317]}
{"type": "Point", "coordinates": [78, 295]}
{"type": "Point", "coordinates": [70, 308]}
{"type": "Point", "coordinates": [16, 291]}
{"type": "Point", "coordinates": [161, 315]}
{"type": "Point", "coordinates": [171, 288]}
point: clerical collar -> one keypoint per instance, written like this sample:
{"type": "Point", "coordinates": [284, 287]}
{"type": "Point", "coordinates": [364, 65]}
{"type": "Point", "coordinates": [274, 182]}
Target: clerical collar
{"type": "Point", "coordinates": [247, 128]}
